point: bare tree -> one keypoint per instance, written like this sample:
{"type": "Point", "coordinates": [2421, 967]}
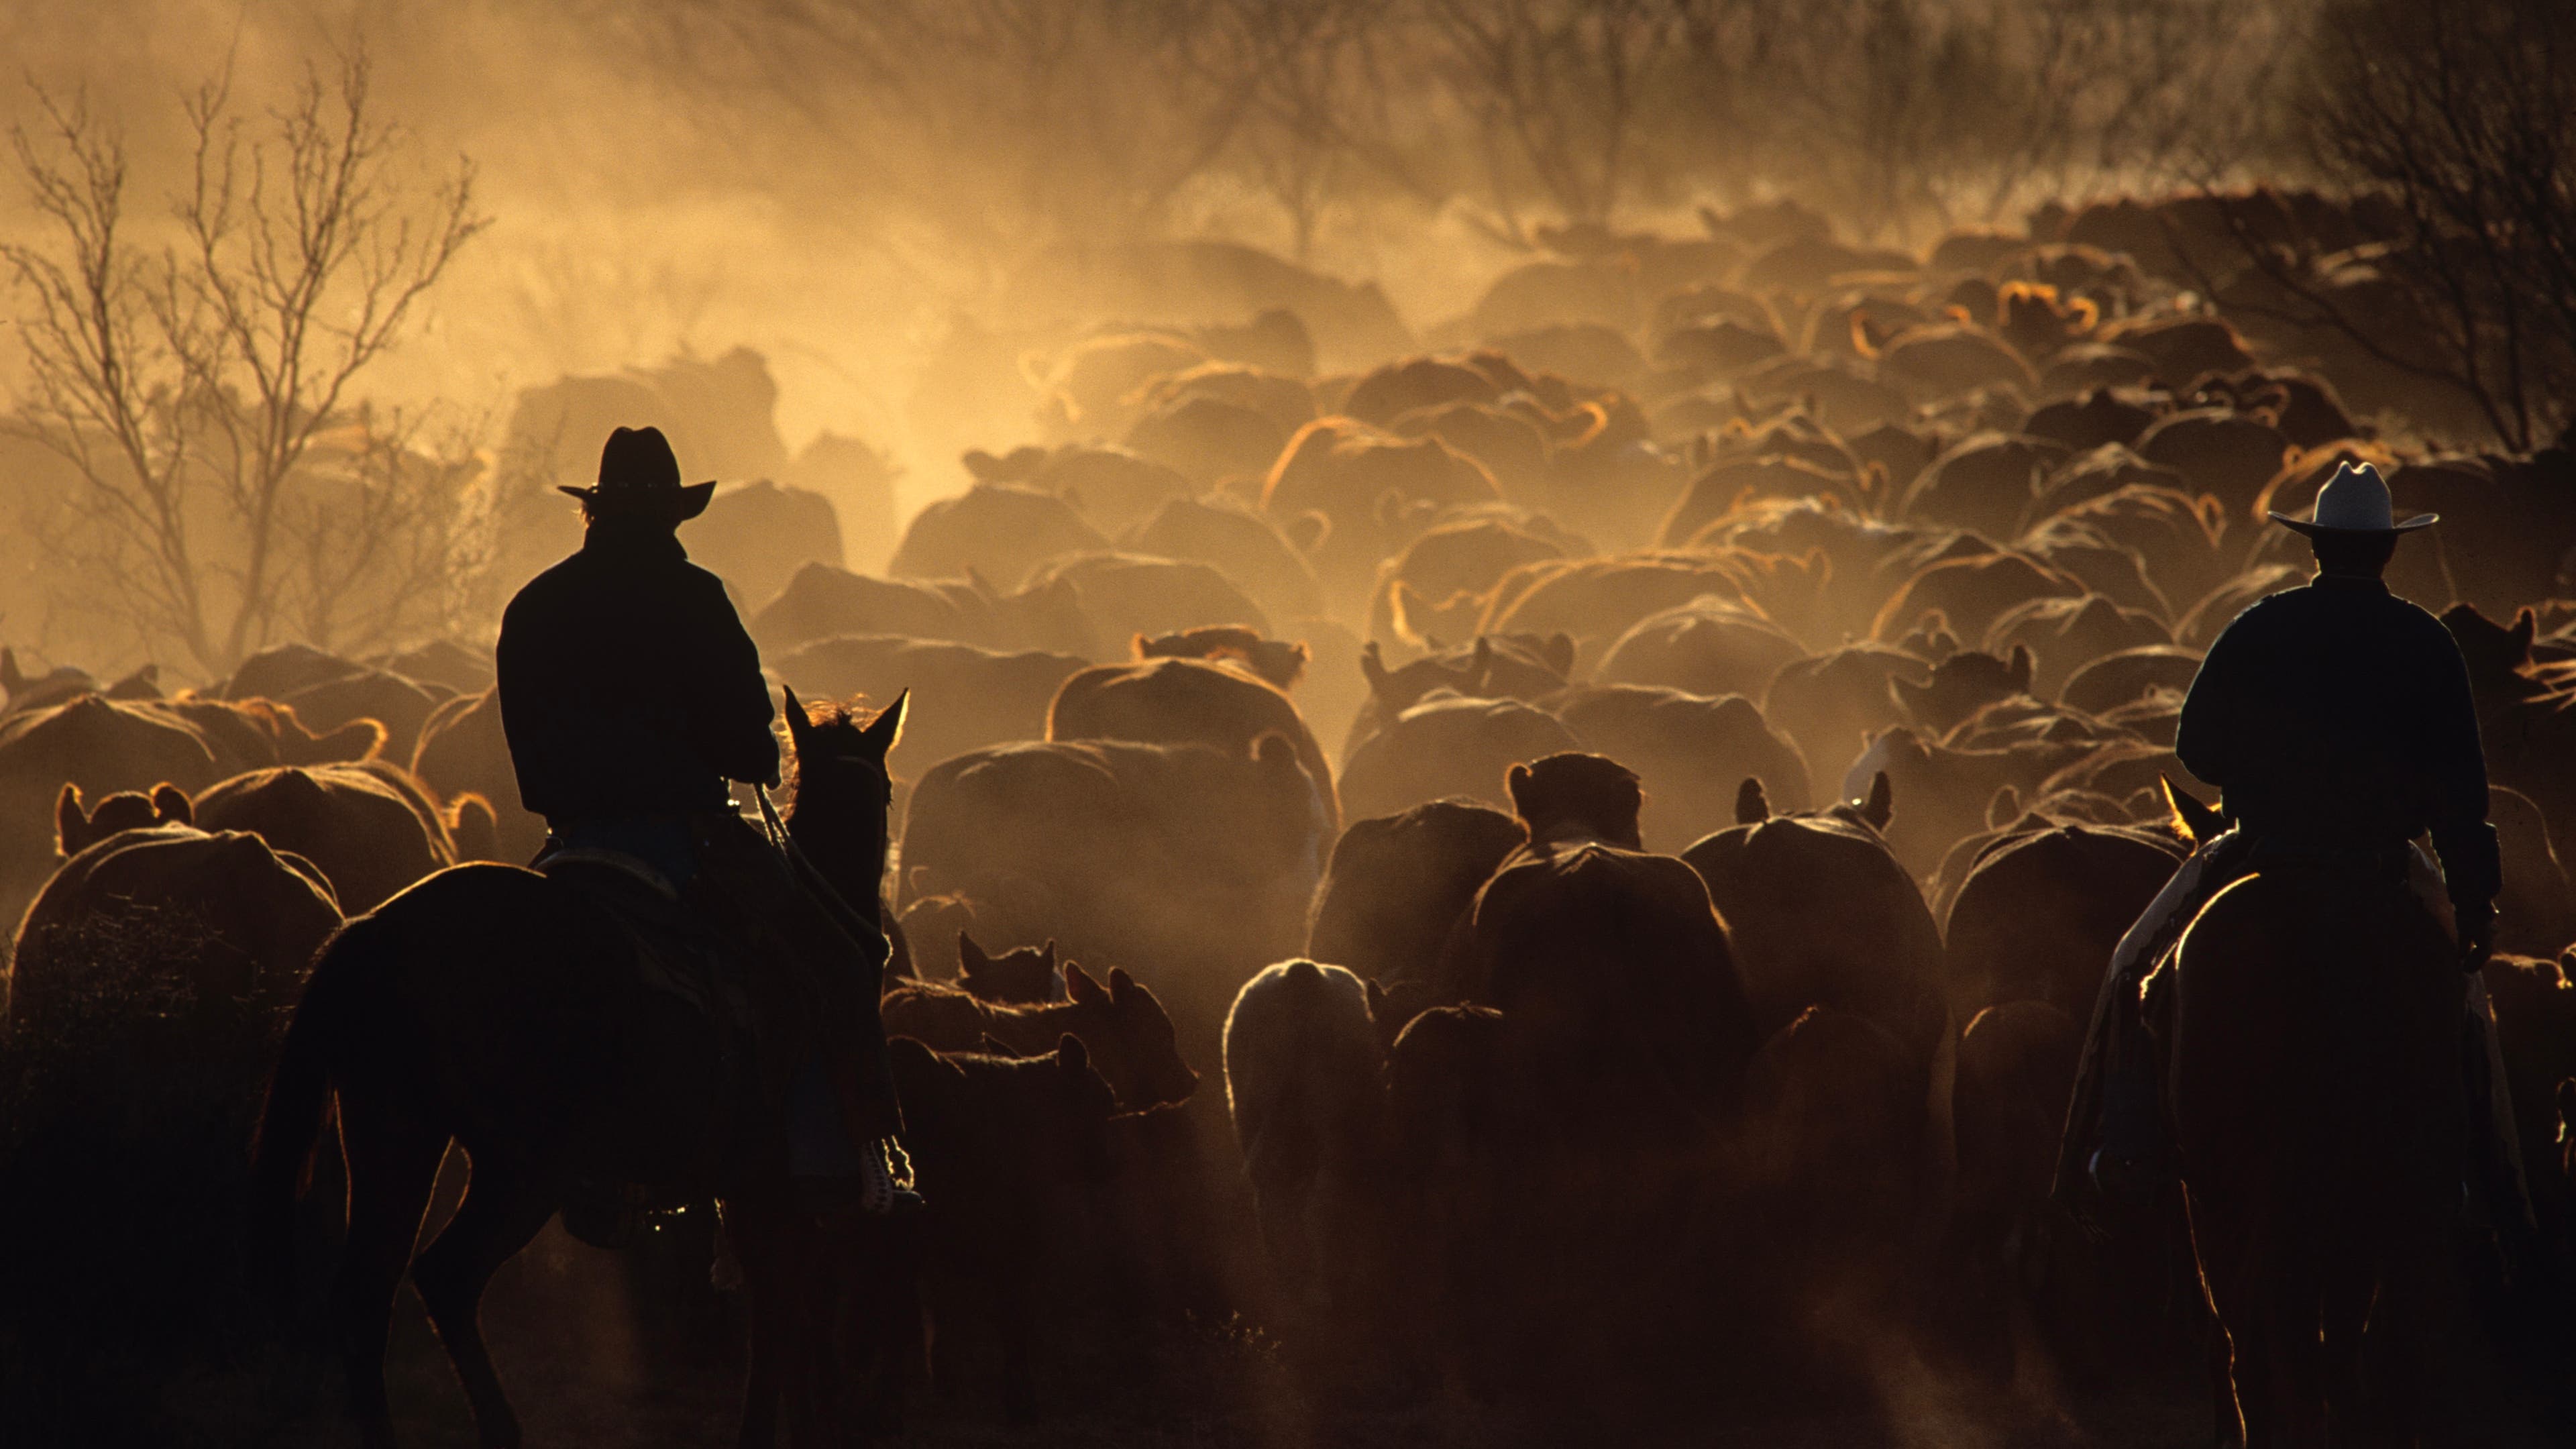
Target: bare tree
{"type": "Point", "coordinates": [2454, 127]}
{"type": "Point", "coordinates": [193, 387]}
{"type": "Point", "coordinates": [1554, 90]}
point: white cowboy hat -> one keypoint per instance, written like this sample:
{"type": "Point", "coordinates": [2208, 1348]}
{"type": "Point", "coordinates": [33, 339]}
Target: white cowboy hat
{"type": "Point", "coordinates": [2354, 500]}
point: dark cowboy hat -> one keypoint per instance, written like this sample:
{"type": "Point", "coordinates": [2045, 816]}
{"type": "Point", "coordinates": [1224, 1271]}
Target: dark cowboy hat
{"type": "Point", "coordinates": [2354, 500]}
{"type": "Point", "coordinates": [638, 470]}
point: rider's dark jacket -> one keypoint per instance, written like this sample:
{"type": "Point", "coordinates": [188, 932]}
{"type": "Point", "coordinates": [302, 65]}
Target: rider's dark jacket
{"type": "Point", "coordinates": [628, 687]}
{"type": "Point", "coordinates": [2337, 718]}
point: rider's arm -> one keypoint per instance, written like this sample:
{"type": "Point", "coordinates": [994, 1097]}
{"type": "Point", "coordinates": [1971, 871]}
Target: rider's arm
{"type": "Point", "coordinates": [730, 702]}
{"type": "Point", "coordinates": [2213, 729]}
{"type": "Point", "coordinates": [2458, 771]}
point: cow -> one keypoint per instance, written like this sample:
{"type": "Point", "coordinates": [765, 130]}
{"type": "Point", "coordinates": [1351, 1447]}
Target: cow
{"type": "Point", "coordinates": [999, 531]}
{"type": "Point", "coordinates": [1708, 646]}
{"type": "Point", "coordinates": [1193, 864]}
{"type": "Point", "coordinates": [1188, 701]}
{"type": "Point", "coordinates": [1447, 745]}
{"type": "Point", "coordinates": [1025, 976]}
{"type": "Point", "coordinates": [1684, 746]}
{"type": "Point", "coordinates": [1004, 1144]}
{"type": "Point", "coordinates": [968, 697]}
{"type": "Point", "coordinates": [2036, 919]}
{"type": "Point", "coordinates": [357, 824]}
{"type": "Point", "coordinates": [1302, 1065]}
{"type": "Point", "coordinates": [1819, 912]}
{"type": "Point", "coordinates": [1126, 594]}
{"type": "Point", "coordinates": [1121, 1024]}
{"type": "Point", "coordinates": [101, 745]}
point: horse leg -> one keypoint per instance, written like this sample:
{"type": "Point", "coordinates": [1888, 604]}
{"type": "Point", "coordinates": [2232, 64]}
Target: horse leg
{"type": "Point", "coordinates": [762, 1236]}
{"type": "Point", "coordinates": [392, 1160]}
{"type": "Point", "coordinates": [2231, 1283]}
{"type": "Point", "coordinates": [505, 1204]}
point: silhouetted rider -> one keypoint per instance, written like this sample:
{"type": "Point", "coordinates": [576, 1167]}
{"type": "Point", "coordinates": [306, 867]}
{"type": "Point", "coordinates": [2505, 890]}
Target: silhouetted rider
{"type": "Point", "coordinates": [2337, 719]}
{"type": "Point", "coordinates": [631, 694]}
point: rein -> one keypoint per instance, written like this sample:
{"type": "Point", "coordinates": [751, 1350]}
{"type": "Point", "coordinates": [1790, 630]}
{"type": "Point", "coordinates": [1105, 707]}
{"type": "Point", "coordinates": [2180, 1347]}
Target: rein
{"type": "Point", "coordinates": [785, 844]}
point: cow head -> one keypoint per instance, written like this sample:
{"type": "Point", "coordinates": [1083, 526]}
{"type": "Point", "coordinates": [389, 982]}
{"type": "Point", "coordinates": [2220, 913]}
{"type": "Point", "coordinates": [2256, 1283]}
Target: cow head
{"type": "Point", "coordinates": [77, 829]}
{"type": "Point", "coordinates": [1573, 794]}
{"type": "Point", "coordinates": [1131, 1036]}
{"type": "Point", "coordinates": [1021, 977]}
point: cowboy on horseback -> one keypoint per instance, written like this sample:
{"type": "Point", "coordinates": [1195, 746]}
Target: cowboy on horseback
{"type": "Point", "coordinates": [2336, 718]}
{"type": "Point", "coordinates": [631, 696]}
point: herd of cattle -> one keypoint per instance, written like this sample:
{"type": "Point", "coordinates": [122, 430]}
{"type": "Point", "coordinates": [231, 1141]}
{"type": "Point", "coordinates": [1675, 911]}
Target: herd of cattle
{"type": "Point", "coordinates": [1580, 853]}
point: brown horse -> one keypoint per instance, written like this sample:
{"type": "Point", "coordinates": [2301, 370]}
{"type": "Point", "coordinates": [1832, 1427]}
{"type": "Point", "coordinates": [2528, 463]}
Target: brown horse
{"type": "Point", "coordinates": [494, 1008]}
{"type": "Point", "coordinates": [2318, 1109]}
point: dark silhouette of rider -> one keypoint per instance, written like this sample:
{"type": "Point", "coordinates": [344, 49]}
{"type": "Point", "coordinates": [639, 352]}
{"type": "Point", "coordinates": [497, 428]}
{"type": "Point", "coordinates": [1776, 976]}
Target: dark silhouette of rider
{"type": "Point", "coordinates": [631, 695]}
{"type": "Point", "coordinates": [2337, 720]}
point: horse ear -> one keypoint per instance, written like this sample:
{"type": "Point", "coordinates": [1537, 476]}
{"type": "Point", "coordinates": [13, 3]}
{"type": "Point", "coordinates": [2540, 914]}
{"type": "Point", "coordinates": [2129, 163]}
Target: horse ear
{"type": "Point", "coordinates": [1080, 988]}
{"type": "Point", "coordinates": [71, 822]}
{"type": "Point", "coordinates": [2021, 668]}
{"type": "Point", "coordinates": [970, 957]}
{"type": "Point", "coordinates": [171, 805]}
{"type": "Point", "coordinates": [886, 730]}
{"type": "Point", "coordinates": [2198, 823]}
{"type": "Point", "coordinates": [1072, 1055]}
{"type": "Point", "coordinates": [2004, 809]}
{"type": "Point", "coordinates": [799, 728]}
{"type": "Point", "coordinates": [1880, 807]}
{"type": "Point", "coordinates": [1752, 807]}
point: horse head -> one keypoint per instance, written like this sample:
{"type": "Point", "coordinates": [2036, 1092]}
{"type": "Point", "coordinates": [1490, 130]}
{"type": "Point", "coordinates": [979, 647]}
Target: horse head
{"type": "Point", "coordinates": [844, 790]}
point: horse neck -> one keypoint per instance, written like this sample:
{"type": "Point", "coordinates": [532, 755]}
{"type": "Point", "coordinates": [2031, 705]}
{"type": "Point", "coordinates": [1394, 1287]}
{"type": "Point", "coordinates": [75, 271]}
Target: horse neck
{"type": "Point", "coordinates": [847, 843]}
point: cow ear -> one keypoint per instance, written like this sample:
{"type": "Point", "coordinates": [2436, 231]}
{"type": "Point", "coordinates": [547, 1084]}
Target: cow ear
{"type": "Point", "coordinates": [1558, 651]}
{"type": "Point", "coordinates": [971, 959]}
{"type": "Point", "coordinates": [1373, 666]}
{"type": "Point", "coordinates": [1079, 986]}
{"type": "Point", "coordinates": [1880, 807]}
{"type": "Point", "coordinates": [1046, 953]}
{"type": "Point", "coordinates": [799, 728]}
{"type": "Point", "coordinates": [171, 805]}
{"type": "Point", "coordinates": [1516, 780]}
{"type": "Point", "coordinates": [2004, 809]}
{"type": "Point", "coordinates": [1121, 985]}
{"type": "Point", "coordinates": [886, 730]}
{"type": "Point", "coordinates": [2021, 668]}
{"type": "Point", "coordinates": [1376, 1001]}
{"type": "Point", "coordinates": [1752, 807]}
{"type": "Point", "coordinates": [1071, 1055]}
{"type": "Point", "coordinates": [71, 822]}
{"type": "Point", "coordinates": [2525, 626]}
{"type": "Point", "coordinates": [10, 679]}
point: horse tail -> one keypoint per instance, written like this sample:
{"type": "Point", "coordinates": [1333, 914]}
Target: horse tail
{"type": "Point", "coordinates": [290, 1123]}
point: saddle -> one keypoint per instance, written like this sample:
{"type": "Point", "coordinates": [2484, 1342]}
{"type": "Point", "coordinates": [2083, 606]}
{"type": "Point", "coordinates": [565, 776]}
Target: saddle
{"type": "Point", "coordinates": [677, 950]}
{"type": "Point", "coordinates": [678, 954]}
